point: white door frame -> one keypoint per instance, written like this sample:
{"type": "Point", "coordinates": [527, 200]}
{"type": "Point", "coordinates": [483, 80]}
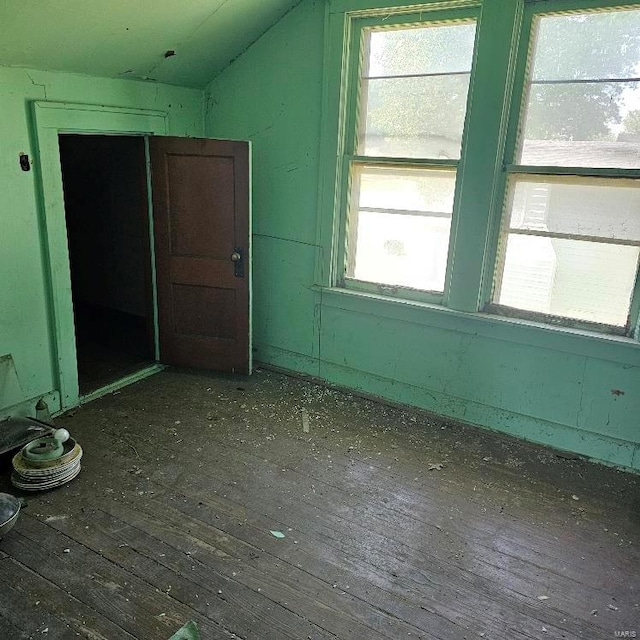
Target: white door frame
{"type": "Point", "coordinates": [52, 119]}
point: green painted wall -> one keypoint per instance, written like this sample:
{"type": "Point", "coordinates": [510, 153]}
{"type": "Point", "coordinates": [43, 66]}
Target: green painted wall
{"type": "Point", "coordinates": [26, 346]}
{"type": "Point", "coordinates": [543, 384]}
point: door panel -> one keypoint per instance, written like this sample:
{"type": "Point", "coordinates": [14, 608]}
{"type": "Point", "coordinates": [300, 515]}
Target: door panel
{"type": "Point", "coordinates": [201, 217]}
{"type": "Point", "coordinates": [201, 311]}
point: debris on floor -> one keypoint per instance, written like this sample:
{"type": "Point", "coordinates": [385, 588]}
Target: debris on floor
{"type": "Point", "coordinates": [278, 534]}
{"type": "Point", "coordinates": [305, 421]}
{"type": "Point", "coordinates": [188, 632]}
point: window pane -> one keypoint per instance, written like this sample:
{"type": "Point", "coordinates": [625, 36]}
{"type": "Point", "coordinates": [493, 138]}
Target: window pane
{"type": "Point", "coordinates": [399, 227]}
{"type": "Point", "coordinates": [414, 117]}
{"type": "Point", "coordinates": [421, 50]}
{"type": "Point", "coordinates": [587, 46]}
{"type": "Point", "coordinates": [569, 278]}
{"type": "Point", "coordinates": [407, 189]}
{"type": "Point", "coordinates": [605, 208]}
{"type": "Point", "coordinates": [583, 105]}
{"type": "Point", "coordinates": [413, 94]}
{"type": "Point", "coordinates": [407, 251]}
{"type": "Point", "coordinates": [581, 125]}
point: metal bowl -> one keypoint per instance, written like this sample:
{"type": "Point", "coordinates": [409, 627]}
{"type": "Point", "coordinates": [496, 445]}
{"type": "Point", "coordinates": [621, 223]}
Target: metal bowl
{"type": "Point", "coordinates": [9, 510]}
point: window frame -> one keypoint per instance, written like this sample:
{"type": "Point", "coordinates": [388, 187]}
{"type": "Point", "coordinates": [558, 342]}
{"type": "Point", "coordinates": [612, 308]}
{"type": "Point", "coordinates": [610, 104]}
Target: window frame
{"type": "Point", "coordinates": [534, 9]}
{"type": "Point", "coordinates": [498, 81]}
{"type": "Point", "coordinates": [352, 159]}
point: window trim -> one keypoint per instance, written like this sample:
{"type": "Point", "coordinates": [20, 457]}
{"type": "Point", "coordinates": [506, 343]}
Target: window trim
{"type": "Point", "coordinates": [359, 24]}
{"type": "Point", "coordinates": [532, 10]}
{"type": "Point", "coordinates": [505, 311]}
{"type": "Point", "coordinates": [497, 87]}
{"type": "Point", "coordinates": [340, 18]}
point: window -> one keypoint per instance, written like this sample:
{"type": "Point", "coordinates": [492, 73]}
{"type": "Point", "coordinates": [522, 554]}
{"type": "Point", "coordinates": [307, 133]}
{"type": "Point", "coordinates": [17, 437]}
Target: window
{"type": "Point", "coordinates": [489, 157]}
{"type": "Point", "coordinates": [413, 87]}
{"type": "Point", "coordinates": [571, 238]}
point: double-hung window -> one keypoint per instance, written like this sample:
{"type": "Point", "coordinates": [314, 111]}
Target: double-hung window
{"type": "Point", "coordinates": [571, 233]}
{"type": "Point", "coordinates": [551, 233]}
{"type": "Point", "coordinates": [406, 140]}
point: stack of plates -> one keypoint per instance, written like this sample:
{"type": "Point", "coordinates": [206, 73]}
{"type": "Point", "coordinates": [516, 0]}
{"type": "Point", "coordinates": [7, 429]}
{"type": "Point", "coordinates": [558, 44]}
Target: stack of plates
{"type": "Point", "coordinates": [38, 475]}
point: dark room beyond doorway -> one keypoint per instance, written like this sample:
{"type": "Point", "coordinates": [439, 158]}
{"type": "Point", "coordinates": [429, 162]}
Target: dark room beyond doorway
{"type": "Point", "coordinates": [106, 209]}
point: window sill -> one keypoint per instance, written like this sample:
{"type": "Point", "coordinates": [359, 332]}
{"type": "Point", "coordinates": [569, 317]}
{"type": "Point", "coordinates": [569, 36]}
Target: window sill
{"type": "Point", "coordinates": [392, 292]}
{"type": "Point", "coordinates": [585, 343]}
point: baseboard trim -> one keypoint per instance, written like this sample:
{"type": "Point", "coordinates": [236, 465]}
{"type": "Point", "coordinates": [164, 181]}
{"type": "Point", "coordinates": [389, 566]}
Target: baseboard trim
{"type": "Point", "coordinates": [596, 447]}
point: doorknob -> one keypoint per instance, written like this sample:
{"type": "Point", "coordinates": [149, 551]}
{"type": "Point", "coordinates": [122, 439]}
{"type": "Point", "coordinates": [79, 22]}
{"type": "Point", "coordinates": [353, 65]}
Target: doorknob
{"type": "Point", "coordinates": [238, 263]}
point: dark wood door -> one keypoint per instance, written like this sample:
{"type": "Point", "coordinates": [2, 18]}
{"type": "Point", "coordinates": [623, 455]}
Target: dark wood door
{"type": "Point", "coordinates": [200, 191]}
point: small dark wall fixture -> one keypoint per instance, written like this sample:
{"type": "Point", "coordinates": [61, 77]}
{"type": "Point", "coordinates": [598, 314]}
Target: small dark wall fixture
{"type": "Point", "coordinates": [25, 165]}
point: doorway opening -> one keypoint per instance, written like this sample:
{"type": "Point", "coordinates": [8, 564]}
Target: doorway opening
{"type": "Point", "coordinates": [106, 211]}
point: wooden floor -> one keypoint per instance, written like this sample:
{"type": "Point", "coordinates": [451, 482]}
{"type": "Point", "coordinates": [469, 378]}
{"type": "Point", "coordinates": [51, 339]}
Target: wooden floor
{"type": "Point", "coordinates": [396, 525]}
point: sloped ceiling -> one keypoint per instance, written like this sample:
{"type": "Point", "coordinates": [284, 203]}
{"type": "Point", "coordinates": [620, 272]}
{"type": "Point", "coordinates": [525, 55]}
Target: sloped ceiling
{"type": "Point", "coordinates": [129, 38]}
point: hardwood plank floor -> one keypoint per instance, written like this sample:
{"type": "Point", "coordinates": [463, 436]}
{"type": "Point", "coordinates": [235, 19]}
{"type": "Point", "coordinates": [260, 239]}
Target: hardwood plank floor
{"type": "Point", "coordinates": [396, 525]}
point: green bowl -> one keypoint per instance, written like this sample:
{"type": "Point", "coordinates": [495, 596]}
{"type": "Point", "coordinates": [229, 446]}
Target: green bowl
{"type": "Point", "coordinates": [47, 448]}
